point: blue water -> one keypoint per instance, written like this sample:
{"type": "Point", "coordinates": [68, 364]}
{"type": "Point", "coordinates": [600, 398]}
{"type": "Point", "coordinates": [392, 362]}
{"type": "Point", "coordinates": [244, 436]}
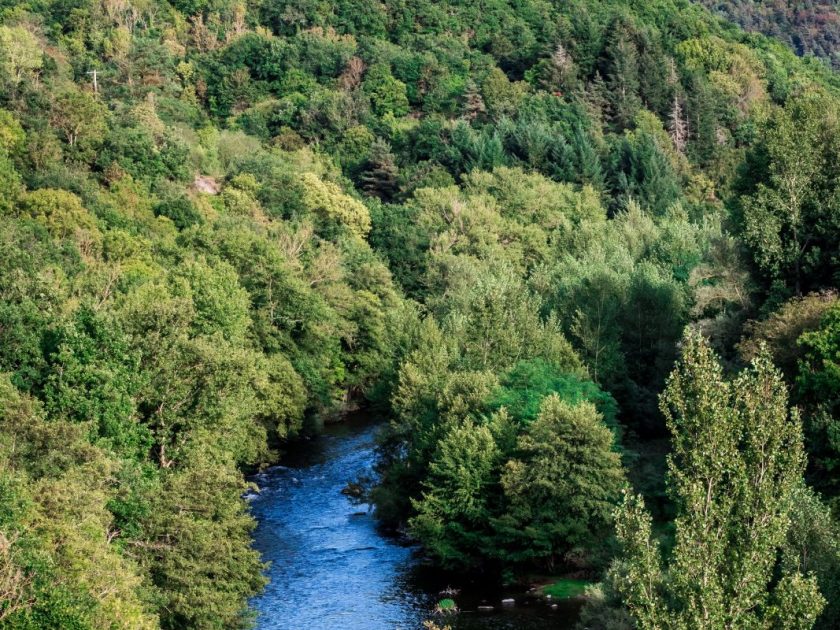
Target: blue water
{"type": "Point", "coordinates": [330, 566]}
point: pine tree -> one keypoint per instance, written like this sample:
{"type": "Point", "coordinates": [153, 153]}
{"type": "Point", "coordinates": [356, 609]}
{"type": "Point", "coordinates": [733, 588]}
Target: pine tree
{"type": "Point", "coordinates": [588, 160]}
{"type": "Point", "coordinates": [623, 81]}
{"type": "Point", "coordinates": [596, 99]}
{"type": "Point", "coordinates": [678, 126]}
{"type": "Point", "coordinates": [380, 177]}
{"type": "Point", "coordinates": [562, 73]}
{"type": "Point", "coordinates": [474, 106]}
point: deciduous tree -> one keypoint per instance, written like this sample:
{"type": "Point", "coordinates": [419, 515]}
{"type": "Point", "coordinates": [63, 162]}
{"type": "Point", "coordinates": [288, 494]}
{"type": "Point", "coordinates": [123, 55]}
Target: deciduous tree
{"type": "Point", "coordinates": [737, 461]}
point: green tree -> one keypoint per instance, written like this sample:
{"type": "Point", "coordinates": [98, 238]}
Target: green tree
{"type": "Point", "coordinates": [61, 212]}
{"type": "Point", "coordinates": [10, 184]}
{"type": "Point", "coordinates": [412, 436]}
{"type": "Point", "coordinates": [623, 76]}
{"type": "Point", "coordinates": [197, 539]}
{"type": "Point", "coordinates": [818, 386]}
{"type": "Point", "coordinates": [93, 378]}
{"type": "Point", "coordinates": [387, 94]}
{"type": "Point", "coordinates": [525, 387]}
{"type": "Point", "coordinates": [641, 170]}
{"type": "Point", "coordinates": [782, 330]}
{"type": "Point", "coordinates": [790, 221]}
{"type": "Point", "coordinates": [737, 461]}
{"type": "Point", "coordinates": [56, 528]}
{"type": "Point", "coordinates": [21, 57]}
{"type": "Point", "coordinates": [813, 547]}
{"type": "Point", "coordinates": [560, 72]}
{"type": "Point", "coordinates": [327, 202]}
{"type": "Point", "coordinates": [501, 95]}
{"type": "Point", "coordinates": [562, 486]}
{"type": "Point", "coordinates": [80, 120]}
{"type": "Point", "coordinates": [380, 175]}
{"type": "Point", "coordinates": [12, 135]}
{"type": "Point", "coordinates": [453, 513]}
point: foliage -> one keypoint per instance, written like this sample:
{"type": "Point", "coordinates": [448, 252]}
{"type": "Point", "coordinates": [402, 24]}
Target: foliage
{"type": "Point", "coordinates": [447, 605]}
{"type": "Point", "coordinates": [813, 547]}
{"type": "Point", "coordinates": [529, 382]}
{"type": "Point", "coordinates": [810, 29]}
{"type": "Point", "coordinates": [454, 504]}
{"type": "Point", "coordinates": [818, 385]}
{"type": "Point", "coordinates": [326, 200]}
{"type": "Point", "coordinates": [790, 221]}
{"type": "Point", "coordinates": [736, 463]}
{"type": "Point", "coordinates": [224, 222]}
{"type": "Point", "coordinates": [781, 331]}
{"type": "Point", "coordinates": [565, 464]}
{"type": "Point", "coordinates": [21, 57]}
{"type": "Point", "coordinates": [387, 94]}
{"type": "Point", "coordinates": [603, 609]}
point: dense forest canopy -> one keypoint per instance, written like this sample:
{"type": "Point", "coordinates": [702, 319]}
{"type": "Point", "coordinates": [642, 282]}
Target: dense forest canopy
{"type": "Point", "coordinates": [225, 222]}
{"type": "Point", "coordinates": [810, 27]}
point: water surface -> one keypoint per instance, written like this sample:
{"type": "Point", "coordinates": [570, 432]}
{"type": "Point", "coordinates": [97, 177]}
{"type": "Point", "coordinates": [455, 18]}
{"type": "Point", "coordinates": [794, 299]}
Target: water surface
{"type": "Point", "coordinates": [331, 567]}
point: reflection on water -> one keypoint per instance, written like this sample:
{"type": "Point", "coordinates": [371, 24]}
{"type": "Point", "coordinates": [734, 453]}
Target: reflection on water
{"type": "Point", "coordinates": [331, 568]}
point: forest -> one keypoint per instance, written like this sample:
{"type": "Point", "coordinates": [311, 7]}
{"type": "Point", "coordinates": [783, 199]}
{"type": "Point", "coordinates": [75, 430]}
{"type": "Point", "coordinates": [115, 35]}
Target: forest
{"type": "Point", "coordinates": [810, 27]}
{"type": "Point", "coordinates": [581, 255]}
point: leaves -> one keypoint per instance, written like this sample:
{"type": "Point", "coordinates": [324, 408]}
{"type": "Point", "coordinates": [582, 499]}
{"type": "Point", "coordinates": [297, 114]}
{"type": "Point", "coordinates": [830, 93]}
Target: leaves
{"type": "Point", "coordinates": [737, 461]}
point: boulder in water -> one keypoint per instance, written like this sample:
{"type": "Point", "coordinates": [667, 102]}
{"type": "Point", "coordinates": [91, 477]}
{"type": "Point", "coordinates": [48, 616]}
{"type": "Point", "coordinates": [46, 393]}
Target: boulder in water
{"type": "Point", "coordinates": [354, 490]}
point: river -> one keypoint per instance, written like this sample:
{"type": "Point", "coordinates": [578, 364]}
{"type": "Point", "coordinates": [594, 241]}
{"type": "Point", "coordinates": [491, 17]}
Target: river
{"type": "Point", "coordinates": [332, 569]}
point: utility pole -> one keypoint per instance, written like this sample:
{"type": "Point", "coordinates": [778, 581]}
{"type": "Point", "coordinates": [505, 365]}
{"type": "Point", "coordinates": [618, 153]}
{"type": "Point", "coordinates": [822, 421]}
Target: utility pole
{"type": "Point", "coordinates": [95, 83]}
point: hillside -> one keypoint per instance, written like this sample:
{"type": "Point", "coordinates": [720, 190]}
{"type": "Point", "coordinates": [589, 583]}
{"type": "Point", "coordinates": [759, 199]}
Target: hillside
{"type": "Point", "coordinates": [226, 222]}
{"type": "Point", "coordinates": [809, 27]}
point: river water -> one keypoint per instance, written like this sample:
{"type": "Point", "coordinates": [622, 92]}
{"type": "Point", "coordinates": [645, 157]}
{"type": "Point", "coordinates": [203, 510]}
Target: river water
{"type": "Point", "coordinates": [332, 569]}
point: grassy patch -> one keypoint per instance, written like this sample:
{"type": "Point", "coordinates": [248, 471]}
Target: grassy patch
{"type": "Point", "coordinates": [446, 606]}
{"type": "Point", "coordinates": [565, 588]}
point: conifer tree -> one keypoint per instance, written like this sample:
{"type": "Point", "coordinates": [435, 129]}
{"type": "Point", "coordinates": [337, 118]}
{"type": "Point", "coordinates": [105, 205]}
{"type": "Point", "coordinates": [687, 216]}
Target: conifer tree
{"type": "Point", "coordinates": [380, 177]}
{"type": "Point", "coordinates": [474, 106]}
{"type": "Point", "coordinates": [595, 97]}
{"type": "Point", "coordinates": [567, 465]}
{"type": "Point", "coordinates": [678, 125]}
{"type": "Point", "coordinates": [562, 72]}
{"type": "Point", "coordinates": [623, 81]}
